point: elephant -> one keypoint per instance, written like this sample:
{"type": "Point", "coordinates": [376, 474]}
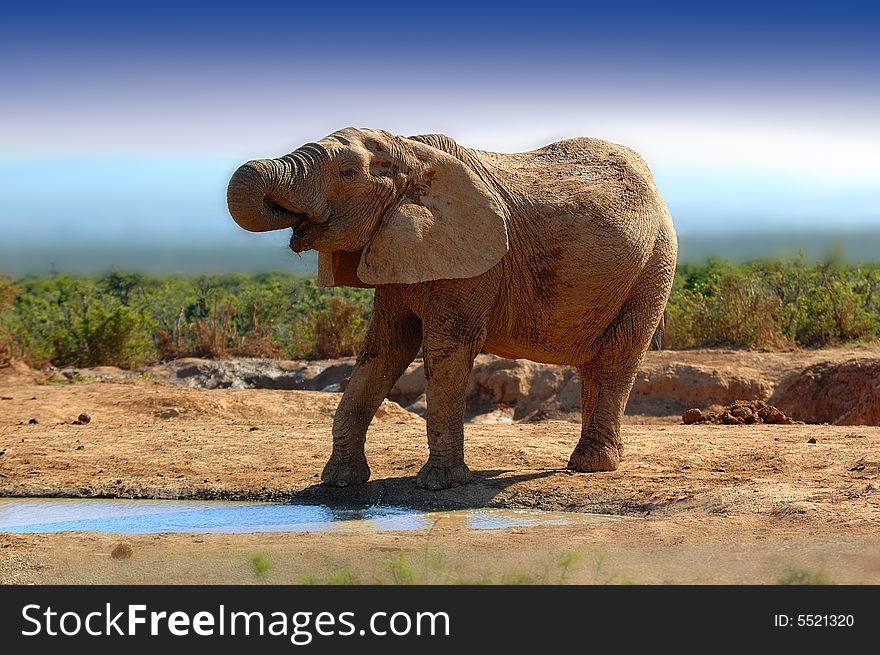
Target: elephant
{"type": "Point", "coordinates": [561, 255]}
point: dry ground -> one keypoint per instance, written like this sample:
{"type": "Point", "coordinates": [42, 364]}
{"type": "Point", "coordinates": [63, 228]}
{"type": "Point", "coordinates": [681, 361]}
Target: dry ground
{"type": "Point", "coordinates": [705, 503]}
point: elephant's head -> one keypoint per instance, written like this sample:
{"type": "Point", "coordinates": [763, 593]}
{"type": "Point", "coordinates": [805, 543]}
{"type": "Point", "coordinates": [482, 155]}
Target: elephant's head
{"type": "Point", "coordinates": [379, 209]}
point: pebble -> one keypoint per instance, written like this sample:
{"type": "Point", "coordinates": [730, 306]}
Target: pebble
{"type": "Point", "coordinates": [691, 416]}
{"type": "Point", "coordinates": [122, 551]}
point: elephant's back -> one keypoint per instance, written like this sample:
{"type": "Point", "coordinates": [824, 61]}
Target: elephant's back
{"type": "Point", "coordinates": [581, 152]}
{"type": "Point", "coordinates": [580, 171]}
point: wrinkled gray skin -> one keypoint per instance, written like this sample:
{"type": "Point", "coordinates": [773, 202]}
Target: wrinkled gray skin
{"type": "Point", "coordinates": [563, 255]}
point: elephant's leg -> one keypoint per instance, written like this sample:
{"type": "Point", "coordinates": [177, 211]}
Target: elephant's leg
{"type": "Point", "coordinates": [455, 329]}
{"type": "Point", "coordinates": [605, 390]}
{"type": "Point", "coordinates": [607, 379]}
{"type": "Point", "coordinates": [391, 344]}
{"type": "Point", "coordinates": [589, 394]}
{"type": "Point", "coordinates": [447, 370]}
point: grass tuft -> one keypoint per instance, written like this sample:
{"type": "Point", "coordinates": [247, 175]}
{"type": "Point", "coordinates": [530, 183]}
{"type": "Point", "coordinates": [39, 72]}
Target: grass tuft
{"type": "Point", "coordinates": [260, 564]}
{"type": "Point", "coordinates": [801, 576]}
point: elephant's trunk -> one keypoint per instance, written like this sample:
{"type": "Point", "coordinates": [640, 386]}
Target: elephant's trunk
{"type": "Point", "coordinates": [258, 196]}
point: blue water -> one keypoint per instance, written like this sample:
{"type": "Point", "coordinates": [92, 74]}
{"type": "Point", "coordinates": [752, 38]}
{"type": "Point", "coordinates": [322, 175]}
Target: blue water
{"type": "Point", "coordinates": [27, 515]}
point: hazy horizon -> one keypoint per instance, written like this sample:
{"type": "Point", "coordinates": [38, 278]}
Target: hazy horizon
{"type": "Point", "coordinates": [267, 255]}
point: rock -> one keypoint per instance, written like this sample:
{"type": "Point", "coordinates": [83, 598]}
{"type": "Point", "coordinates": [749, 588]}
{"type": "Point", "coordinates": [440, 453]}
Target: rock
{"type": "Point", "coordinates": [95, 373]}
{"type": "Point", "coordinates": [692, 415]}
{"type": "Point", "coordinates": [170, 412]}
{"type": "Point", "coordinates": [84, 418]}
{"type": "Point", "coordinates": [390, 412]}
{"type": "Point", "coordinates": [334, 375]}
{"type": "Point", "coordinates": [122, 551]}
{"type": "Point", "coordinates": [498, 416]}
{"type": "Point", "coordinates": [106, 372]}
{"type": "Point", "coordinates": [775, 416]}
{"type": "Point", "coordinates": [419, 406]}
{"type": "Point", "coordinates": [741, 412]}
{"type": "Point", "coordinates": [252, 373]}
{"type": "Point", "coordinates": [730, 419]}
{"type": "Point", "coordinates": [410, 385]}
{"type": "Point", "coordinates": [811, 440]}
{"type": "Point", "coordinates": [33, 421]}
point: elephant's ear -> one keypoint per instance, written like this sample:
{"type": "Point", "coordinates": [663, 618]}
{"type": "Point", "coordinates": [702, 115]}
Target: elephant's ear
{"type": "Point", "coordinates": [336, 269]}
{"type": "Point", "coordinates": [448, 224]}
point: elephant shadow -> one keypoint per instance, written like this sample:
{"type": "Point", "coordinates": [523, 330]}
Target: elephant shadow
{"type": "Point", "coordinates": [483, 488]}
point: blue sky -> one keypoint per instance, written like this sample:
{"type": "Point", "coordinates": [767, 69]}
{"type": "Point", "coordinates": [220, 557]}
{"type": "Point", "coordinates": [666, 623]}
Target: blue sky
{"type": "Point", "coordinates": [124, 121]}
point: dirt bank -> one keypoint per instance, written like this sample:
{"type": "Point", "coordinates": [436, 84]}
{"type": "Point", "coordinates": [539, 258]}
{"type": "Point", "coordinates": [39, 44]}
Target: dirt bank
{"type": "Point", "coordinates": [502, 390]}
{"type": "Point", "coordinates": [842, 393]}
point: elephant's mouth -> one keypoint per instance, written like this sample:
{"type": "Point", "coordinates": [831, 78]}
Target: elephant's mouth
{"type": "Point", "coordinates": [296, 219]}
{"type": "Point", "coordinates": [303, 234]}
{"type": "Point", "coordinates": [298, 239]}
{"type": "Point", "coordinates": [293, 216]}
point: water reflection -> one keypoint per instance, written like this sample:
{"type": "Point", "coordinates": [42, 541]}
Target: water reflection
{"type": "Point", "coordinates": [28, 515]}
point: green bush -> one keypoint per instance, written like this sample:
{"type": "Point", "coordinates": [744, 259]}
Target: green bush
{"type": "Point", "coordinates": [7, 339]}
{"type": "Point", "coordinates": [772, 305]}
{"type": "Point", "coordinates": [129, 320]}
{"type": "Point", "coordinates": [74, 322]}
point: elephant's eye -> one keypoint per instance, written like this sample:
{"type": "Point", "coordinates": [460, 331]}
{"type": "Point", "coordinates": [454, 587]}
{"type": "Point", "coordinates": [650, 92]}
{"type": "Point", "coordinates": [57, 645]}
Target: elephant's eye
{"type": "Point", "coordinates": [348, 173]}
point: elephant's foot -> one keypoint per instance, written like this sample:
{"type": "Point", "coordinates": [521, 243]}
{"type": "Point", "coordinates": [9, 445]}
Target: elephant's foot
{"type": "Point", "coordinates": [342, 471]}
{"type": "Point", "coordinates": [434, 476]}
{"type": "Point", "coordinates": [591, 457]}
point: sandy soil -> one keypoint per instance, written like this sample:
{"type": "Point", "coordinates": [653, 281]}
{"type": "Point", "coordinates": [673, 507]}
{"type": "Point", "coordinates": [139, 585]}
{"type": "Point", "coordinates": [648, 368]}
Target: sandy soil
{"type": "Point", "coordinates": [702, 503]}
